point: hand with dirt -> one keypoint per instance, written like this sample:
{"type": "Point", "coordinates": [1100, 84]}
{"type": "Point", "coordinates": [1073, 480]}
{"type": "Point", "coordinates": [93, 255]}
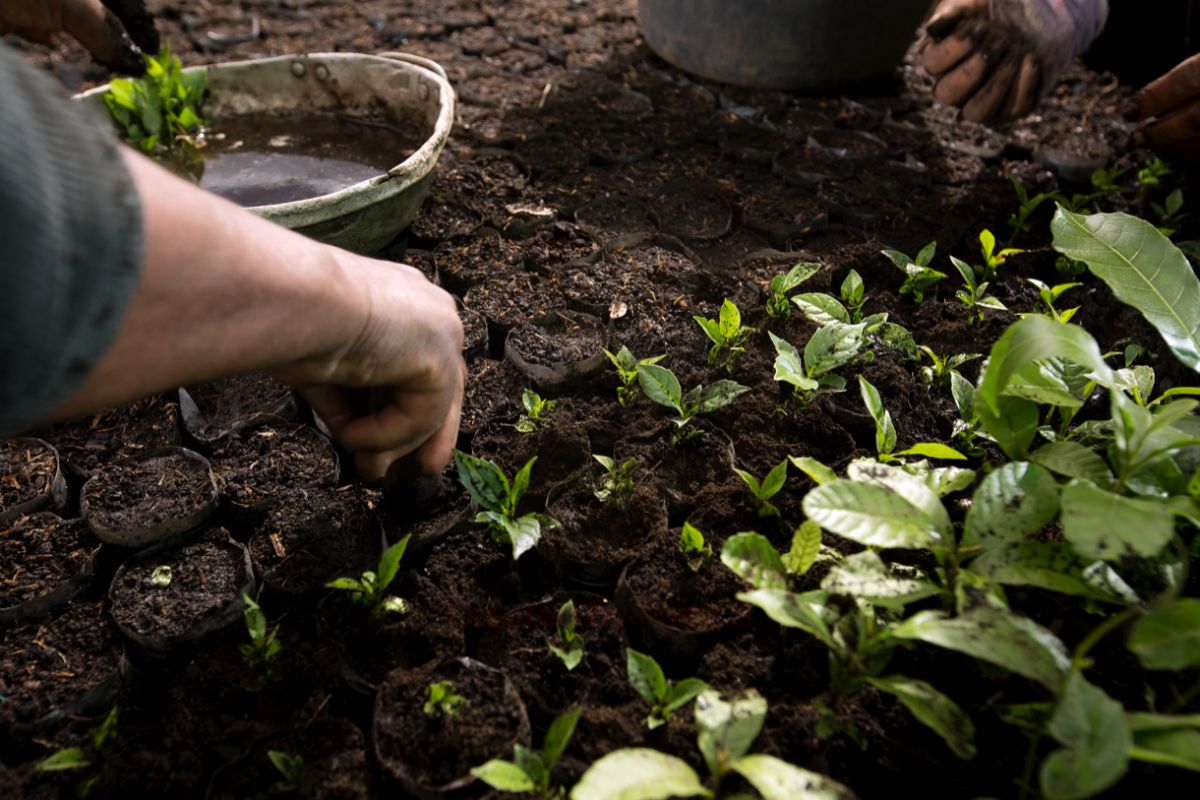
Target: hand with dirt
{"type": "Point", "coordinates": [996, 58]}
{"type": "Point", "coordinates": [1170, 108]}
{"type": "Point", "coordinates": [115, 32]}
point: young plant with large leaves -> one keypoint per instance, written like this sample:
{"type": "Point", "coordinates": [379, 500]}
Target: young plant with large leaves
{"type": "Point", "coordinates": [500, 500]}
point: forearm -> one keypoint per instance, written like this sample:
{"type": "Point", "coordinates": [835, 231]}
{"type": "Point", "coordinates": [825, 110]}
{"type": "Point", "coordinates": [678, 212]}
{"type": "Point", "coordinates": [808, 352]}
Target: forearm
{"type": "Point", "coordinates": [220, 291]}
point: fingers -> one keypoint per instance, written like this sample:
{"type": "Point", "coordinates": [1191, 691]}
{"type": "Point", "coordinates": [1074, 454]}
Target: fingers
{"type": "Point", "coordinates": [960, 83]}
{"type": "Point", "coordinates": [1167, 92]}
{"type": "Point", "coordinates": [139, 23]}
{"type": "Point", "coordinates": [435, 453]}
{"type": "Point", "coordinates": [986, 101]}
{"type": "Point", "coordinates": [951, 14]}
{"type": "Point", "coordinates": [1176, 134]}
{"type": "Point", "coordinates": [101, 32]}
{"type": "Point", "coordinates": [942, 56]}
{"type": "Point", "coordinates": [1023, 93]}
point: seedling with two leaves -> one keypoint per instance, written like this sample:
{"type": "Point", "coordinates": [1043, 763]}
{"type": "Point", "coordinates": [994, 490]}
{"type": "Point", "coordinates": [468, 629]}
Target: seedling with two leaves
{"type": "Point", "coordinates": [1048, 295]}
{"type": "Point", "coordinates": [290, 768]}
{"type": "Point", "coordinates": [831, 346]}
{"type": "Point", "coordinates": [617, 483]}
{"type": "Point", "coordinates": [441, 700]}
{"type": "Point", "coordinates": [568, 645]}
{"type": "Point", "coordinates": [779, 304]}
{"type": "Point", "coordinates": [762, 491]}
{"type": "Point", "coordinates": [490, 488]}
{"type": "Point", "coordinates": [627, 366]}
{"type": "Point", "coordinates": [263, 648]}
{"type": "Point", "coordinates": [661, 386]}
{"type": "Point", "coordinates": [885, 431]}
{"type": "Point", "coordinates": [665, 696]}
{"type": "Point", "coordinates": [101, 740]}
{"type": "Point", "coordinates": [529, 772]}
{"type": "Point", "coordinates": [695, 548]}
{"type": "Point", "coordinates": [370, 590]}
{"type": "Point", "coordinates": [919, 276]}
{"type": "Point", "coordinates": [974, 295]}
{"type": "Point", "coordinates": [536, 411]}
{"type": "Point", "coordinates": [823, 309]}
{"type": "Point", "coordinates": [939, 370]}
{"type": "Point", "coordinates": [727, 334]}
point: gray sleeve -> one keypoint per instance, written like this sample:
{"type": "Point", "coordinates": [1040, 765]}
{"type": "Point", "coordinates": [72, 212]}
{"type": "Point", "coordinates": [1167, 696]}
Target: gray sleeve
{"type": "Point", "coordinates": [70, 242]}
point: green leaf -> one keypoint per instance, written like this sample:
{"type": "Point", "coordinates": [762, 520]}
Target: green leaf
{"type": "Point", "coordinates": [821, 309]}
{"type": "Point", "coordinates": [964, 396]}
{"type": "Point", "coordinates": [1091, 726]}
{"type": "Point", "coordinates": [711, 328]}
{"type": "Point", "coordinates": [683, 693]}
{"type": "Point", "coordinates": [865, 576]}
{"type": "Point", "coordinates": [778, 780]}
{"type": "Point", "coordinates": [750, 481]}
{"type": "Point", "coordinates": [934, 709]}
{"type": "Point", "coordinates": [638, 773]}
{"type": "Point", "coordinates": [789, 368]}
{"type": "Point", "coordinates": [885, 431]}
{"type": "Point", "coordinates": [558, 736]}
{"type": "Point", "coordinates": [806, 612]}
{"type": "Point", "coordinates": [831, 346]}
{"type": "Point", "coordinates": [67, 758]}
{"type": "Point", "coordinates": [1054, 566]}
{"type": "Point", "coordinates": [727, 728]}
{"type": "Point", "coordinates": [519, 484]}
{"type": "Point", "coordinates": [1168, 637]}
{"type": "Point", "coordinates": [718, 395]}
{"type": "Point", "coordinates": [995, 635]}
{"type": "Point", "coordinates": [1101, 524]}
{"type": "Point", "coordinates": [1073, 460]}
{"type": "Point", "coordinates": [806, 546]}
{"type": "Point", "coordinates": [524, 533]}
{"type": "Point", "coordinates": [1172, 748]}
{"type": "Point", "coordinates": [774, 480]}
{"type": "Point", "coordinates": [660, 385]}
{"type": "Point", "coordinates": [755, 560]}
{"type": "Point", "coordinates": [504, 776]}
{"type": "Point", "coordinates": [645, 675]}
{"type": "Point", "coordinates": [389, 563]}
{"type": "Point", "coordinates": [483, 480]}
{"type": "Point", "coordinates": [1142, 268]}
{"type": "Point", "coordinates": [1011, 502]}
{"type": "Point", "coordinates": [814, 469]}
{"type": "Point", "coordinates": [730, 319]}
{"type": "Point", "coordinates": [1013, 426]}
{"type": "Point", "coordinates": [908, 485]}
{"type": "Point", "coordinates": [933, 450]}
{"type": "Point", "coordinates": [870, 515]}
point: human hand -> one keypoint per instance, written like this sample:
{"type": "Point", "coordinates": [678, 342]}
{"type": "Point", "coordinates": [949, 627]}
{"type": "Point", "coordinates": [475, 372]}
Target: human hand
{"type": "Point", "coordinates": [91, 23]}
{"type": "Point", "coordinates": [1171, 103]}
{"type": "Point", "coordinates": [397, 388]}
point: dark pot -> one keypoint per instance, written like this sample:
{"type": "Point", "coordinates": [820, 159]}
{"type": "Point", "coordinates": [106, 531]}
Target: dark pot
{"type": "Point", "coordinates": [50, 493]}
{"type": "Point", "coordinates": [56, 560]}
{"type": "Point", "coordinates": [556, 350]}
{"type": "Point", "coordinates": [215, 410]}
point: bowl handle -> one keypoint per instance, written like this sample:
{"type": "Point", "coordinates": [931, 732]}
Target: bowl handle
{"type": "Point", "coordinates": [418, 61]}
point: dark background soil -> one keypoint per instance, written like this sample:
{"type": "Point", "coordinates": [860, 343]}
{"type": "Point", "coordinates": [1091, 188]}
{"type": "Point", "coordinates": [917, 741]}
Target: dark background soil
{"type": "Point", "coordinates": [561, 107]}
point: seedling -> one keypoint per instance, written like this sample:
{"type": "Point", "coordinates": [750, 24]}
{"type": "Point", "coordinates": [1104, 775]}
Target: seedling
{"type": "Point", "coordinates": [97, 754]}
{"type": "Point", "coordinates": [939, 369]}
{"type": "Point", "coordinates": [627, 372]}
{"type": "Point", "coordinates": [695, 549]}
{"type": "Point", "coordinates": [919, 276]}
{"type": "Point", "coordinates": [727, 334]}
{"type": "Point", "coordinates": [762, 492]}
{"type": "Point", "coordinates": [974, 297]}
{"type": "Point", "coordinates": [1169, 212]}
{"type": "Point", "coordinates": [1021, 222]}
{"type": "Point", "coordinates": [370, 590]}
{"type": "Point", "coordinates": [830, 347]}
{"type": "Point", "coordinates": [1151, 175]}
{"type": "Point", "coordinates": [159, 113]}
{"type": "Point", "coordinates": [441, 700]}
{"type": "Point", "coordinates": [853, 296]}
{"type": "Point", "coordinates": [291, 769]}
{"type": "Point", "coordinates": [665, 696]}
{"type": "Point", "coordinates": [529, 772]}
{"type": "Point", "coordinates": [1048, 295]}
{"type": "Point", "coordinates": [536, 411]}
{"type": "Point", "coordinates": [160, 577]}
{"type": "Point", "coordinates": [661, 386]}
{"type": "Point", "coordinates": [569, 644]}
{"type": "Point", "coordinates": [885, 431]}
{"type": "Point", "coordinates": [617, 483]}
{"type": "Point", "coordinates": [262, 649]}
{"type": "Point", "coordinates": [778, 302]}
{"type": "Point", "coordinates": [992, 258]}
{"type": "Point", "coordinates": [500, 499]}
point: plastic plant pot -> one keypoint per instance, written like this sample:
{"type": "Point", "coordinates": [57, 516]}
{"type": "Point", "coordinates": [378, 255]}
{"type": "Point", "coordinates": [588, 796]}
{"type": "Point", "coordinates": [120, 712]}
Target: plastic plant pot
{"type": "Point", "coordinates": [557, 350]}
{"type": "Point", "coordinates": [45, 562]}
{"type": "Point", "coordinates": [35, 468]}
{"type": "Point", "coordinates": [214, 410]}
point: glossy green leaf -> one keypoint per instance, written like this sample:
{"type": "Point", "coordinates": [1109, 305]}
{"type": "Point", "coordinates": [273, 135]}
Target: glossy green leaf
{"type": "Point", "coordinates": [683, 693]}
{"type": "Point", "coordinates": [67, 758]}
{"type": "Point", "coordinates": [934, 709]}
{"type": "Point", "coordinates": [660, 385]}
{"type": "Point", "coordinates": [789, 367]}
{"type": "Point", "coordinates": [885, 431]}
{"type": "Point", "coordinates": [821, 309]}
{"type": "Point", "coordinates": [814, 469]}
{"type": "Point", "coordinates": [1073, 460]}
{"type": "Point", "coordinates": [1054, 566]}
{"type": "Point", "coordinates": [483, 480]}
{"type": "Point", "coordinates": [389, 563]}
{"type": "Point", "coordinates": [504, 776]}
{"type": "Point", "coordinates": [1016, 500]}
{"type": "Point", "coordinates": [1143, 269]}
{"type": "Point", "coordinates": [807, 612]}
{"type": "Point", "coordinates": [806, 546]}
{"type": "Point", "coordinates": [1013, 425]}
{"type": "Point", "coordinates": [645, 675]}
{"type": "Point", "coordinates": [870, 515]}
{"type": "Point", "coordinates": [933, 450]}
{"type": "Point", "coordinates": [718, 395]}
{"type": "Point", "coordinates": [559, 735]}
{"type": "Point", "coordinates": [1168, 637]}
{"type": "Point", "coordinates": [727, 728]}
{"type": "Point", "coordinates": [831, 346]}
{"type": "Point", "coordinates": [1091, 726]}
{"type": "Point", "coordinates": [776, 779]}
{"type": "Point", "coordinates": [1102, 524]}
{"type": "Point", "coordinates": [908, 485]}
{"type": "Point", "coordinates": [755, 560]}
{"type": "Point", "coordinates": [638, 774]}
{"type": "Point", "coordinates": [865, 576]}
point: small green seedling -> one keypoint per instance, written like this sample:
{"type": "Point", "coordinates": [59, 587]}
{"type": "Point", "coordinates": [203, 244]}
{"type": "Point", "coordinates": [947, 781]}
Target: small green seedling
{"type": "Point", "coordinates": [370, 590]}
{"type": "Point", "coordinates": [885, 431]}
{"type": "Point", "coordinates": [661, 386]}
{"type": "Point", "coordinates": [974, 297]}
{"type": "Point", "coordinates": [617, 483]}
{"type": "Point", "coordinates": [665, 697]}
{"type": "Point", "coordinates": [1151, 175]}
{"type": "Point", "coordinates": [159, 113]}
{"type": "Point", "coordinates": [1021, 222]}
{"type": "Point", "coordinates": [536, 411]}
{"type": "Point", "coordinates": [1048, 295]}
{"type": "Point", "coordinates": [72, 758]}
{"type": "Point", "coordinates": [853, 296]}
{"type": "Point", "coordinates": [1169, 212]}
{"type": "Point", "coordinates": [263, 648]}
{"type": "Point", "coordinates": [779, 303]}
{"type": "Point", "coordinates": [441, 700]}
{"type": "Point", "coordinates": [500, 499]}
{"type": "Point", "coordinates": [919, 276]}
{"type": "Point", "coordinates": [529, 772]}
{"type": "Point", "coordinates": [762, 492]}
{"type": "Point", "coordinates": [939, 369]}
{"type": "Point", "coordinates": [830, 347]}
{"type": "Point", "coordinates": [290, 768]}
{"type": "Point", "coordinates": [627, 372]}
{"type": "Point", "coordinates": [569, 644]}
{"type": "Point", "coordinates": [992, 258]}
{"type": "Point", "coordinates": [695, 549]}
{"type": "Point", "coordinates": [728, 336]}
{"type": "Point", "coordinates": [160, 577]}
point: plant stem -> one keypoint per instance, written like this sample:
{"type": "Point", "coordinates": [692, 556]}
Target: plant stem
{"type": "Point", "coordinates": [1099, 632]}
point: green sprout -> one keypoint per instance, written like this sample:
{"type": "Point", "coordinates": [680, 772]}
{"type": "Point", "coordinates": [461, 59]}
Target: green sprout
{"type": "Point", "coordinates": [618, 478]}
{"type": "Point", "coordinates": [370, 591]}
{"type": "Point", "coordinates": [499, 498]}
{"type": "Point", "coordinates": [665, 696]}
{"type": "Point", "coordinates": [536, 411]}
{"type": "Point", "coordinates": [1047, 297]}
{"type": "Point", "coordinates": [695, 549]}
{"type": "Point", "coordinates": [661, 386]}
{"type": "Point", "coordinates": [992, 258]}
{"type": "Point", "coordinates": [160, 577]}
{"type": "Point", "coordinates": [72, 758]}
{"type": "Point", "coordinates": [728, 336]}
{"type": "Point", "coordinates": [441, 700]}
{"type": "Point", "coordinates": [762, 491]}
{"type": "Point", "coordinates": [569, 646]}
{"type": "Point", "coordinates": [974, 296]}
{"type": "Point", "coordinates": [919, 276]}
{"type": "Point", "coordinates": [529, 772]}
{"type": "Point", "coordinates": [627, 372]}
{"type": "Point", "coordinates": [939, 369]}
{"type": "Point", "coordinates": [291, 769]}
{"type": "Point", "coordinates": [262, 649]}
{"type": "Point", "coordinates": [779, 303]}
{"type": "Point", "coordinates": [853, 297]}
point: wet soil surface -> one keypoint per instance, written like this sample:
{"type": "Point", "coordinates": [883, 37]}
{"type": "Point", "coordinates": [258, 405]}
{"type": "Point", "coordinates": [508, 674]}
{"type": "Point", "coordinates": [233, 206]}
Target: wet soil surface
{"type": "Point", "coordinates": [570, 136]}
{"type": "Point", "coordinates": [149, 492]}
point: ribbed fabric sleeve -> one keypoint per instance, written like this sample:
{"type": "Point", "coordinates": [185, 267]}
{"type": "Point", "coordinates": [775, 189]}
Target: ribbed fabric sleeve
{"type": "Point", "coordinates": [70, 242]}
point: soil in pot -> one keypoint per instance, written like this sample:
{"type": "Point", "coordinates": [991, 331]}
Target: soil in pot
{"type": "Point", "coordinates": [551, 247]}
{"type": "Point", "coordinates": [111, 436]}
{"type": "Point", "coordinates": [215, 409]}
{"type": "Point", "coordinates": [509, 300]}
{"type": "Point", "coordinates": [258, 465]}
{"type": "Point", "coordinates": [164, 600]}
{"type": "Point", "coordinates": [44, 562]}
{"type": "Point", "coordinates": [475, 332]}
{"type": "Point", "coordinates": [557, 350]}
{"type": "Point", "coordinates": [463, 263]}
{"type": "Point", "coordinates": [445, 216]}
{"type": "Point", "coordinates": [560, 444]}
{"type": "Point", "coordinates": [684, 469]}
{"type": "Point", "coordinates": [30, 479]}
{"type": "Point", "coordinates": [428, 509]}
{"type": "Point", "coordinates": [489, 383]}
{"type": "Point", "coordinates": [636, 272]}
{"type": "Point", "coordinates": [72, 663]}
{"type": "Point", "coordinates": [150, 499]}
{"type": "Point", "coordinates": [693, 209]}
{"type": "Point", "coordinates": [312, 536]}
{"type": "Point", "coordinates": [485, 724]}
{"type": "Point", "coordinates": [615, 215]}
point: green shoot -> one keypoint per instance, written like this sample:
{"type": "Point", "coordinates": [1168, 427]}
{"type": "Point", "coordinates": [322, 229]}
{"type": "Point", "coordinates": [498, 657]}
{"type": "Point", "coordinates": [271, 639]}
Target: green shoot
{"type": "Point", "coordinates": [853, 296]}
{"type": "Point", "coordinates": [618, 479]}
{"type": "Point", "coordinates": [919, 276]}
{"type": "Point", "coordinates": [695, 549]}
{"type": "Point", "coordinates": [661, 386]}
{"type": "Point", "coordinates": [885, 431]}
{"type": "Point", "coordinates": [805, 549]}
{"type": "Point", "coordinates": [1021, 222]}
{"type": "Point", "coordinates": [500, 499]}
{"type": "Point", "coordinates": [778, 303]}
{"type": "Point", "coordinates": [627, 372]}
{"type": "Point", "coordinates": [1169, 212]}
{"type": "Point", "coordinates": [1048, 295]}
{"type": "Point", "coordinates": [938, 370]}
{"type": "Point", "coordinates": [441, 700]}
{"type": "Point", "coordinates": [536, 411]}
{"type": "Point", "coordinates": [72, 758]}
{"type": "Point", "coordinates": [830, 347]}
{"type": "Point", "coordinates": [762, 492]}
{"type": "Point", "coordinates": [370, 590]}
{"type": "Point", "coordinates": [290, 767]}
{"type": "Point", "coordinates": [1151, 175]}
{"type": "Point", "coordinates": [262, 649]}
{"type": "Point", "coordinates": [974, 296]}
{"type": "Point", "coordinates": [569, 646]}
{"type": "Point", "coordinates": [161, 576]}
{"type": "Point", "coordinates": [992, 258]}
{"type": "Point", "coordinates": [728, 336]}
{"type": "Point", "coordinates": [529, 772]}
{"type": "Point", "coordinates": [665, 696]}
